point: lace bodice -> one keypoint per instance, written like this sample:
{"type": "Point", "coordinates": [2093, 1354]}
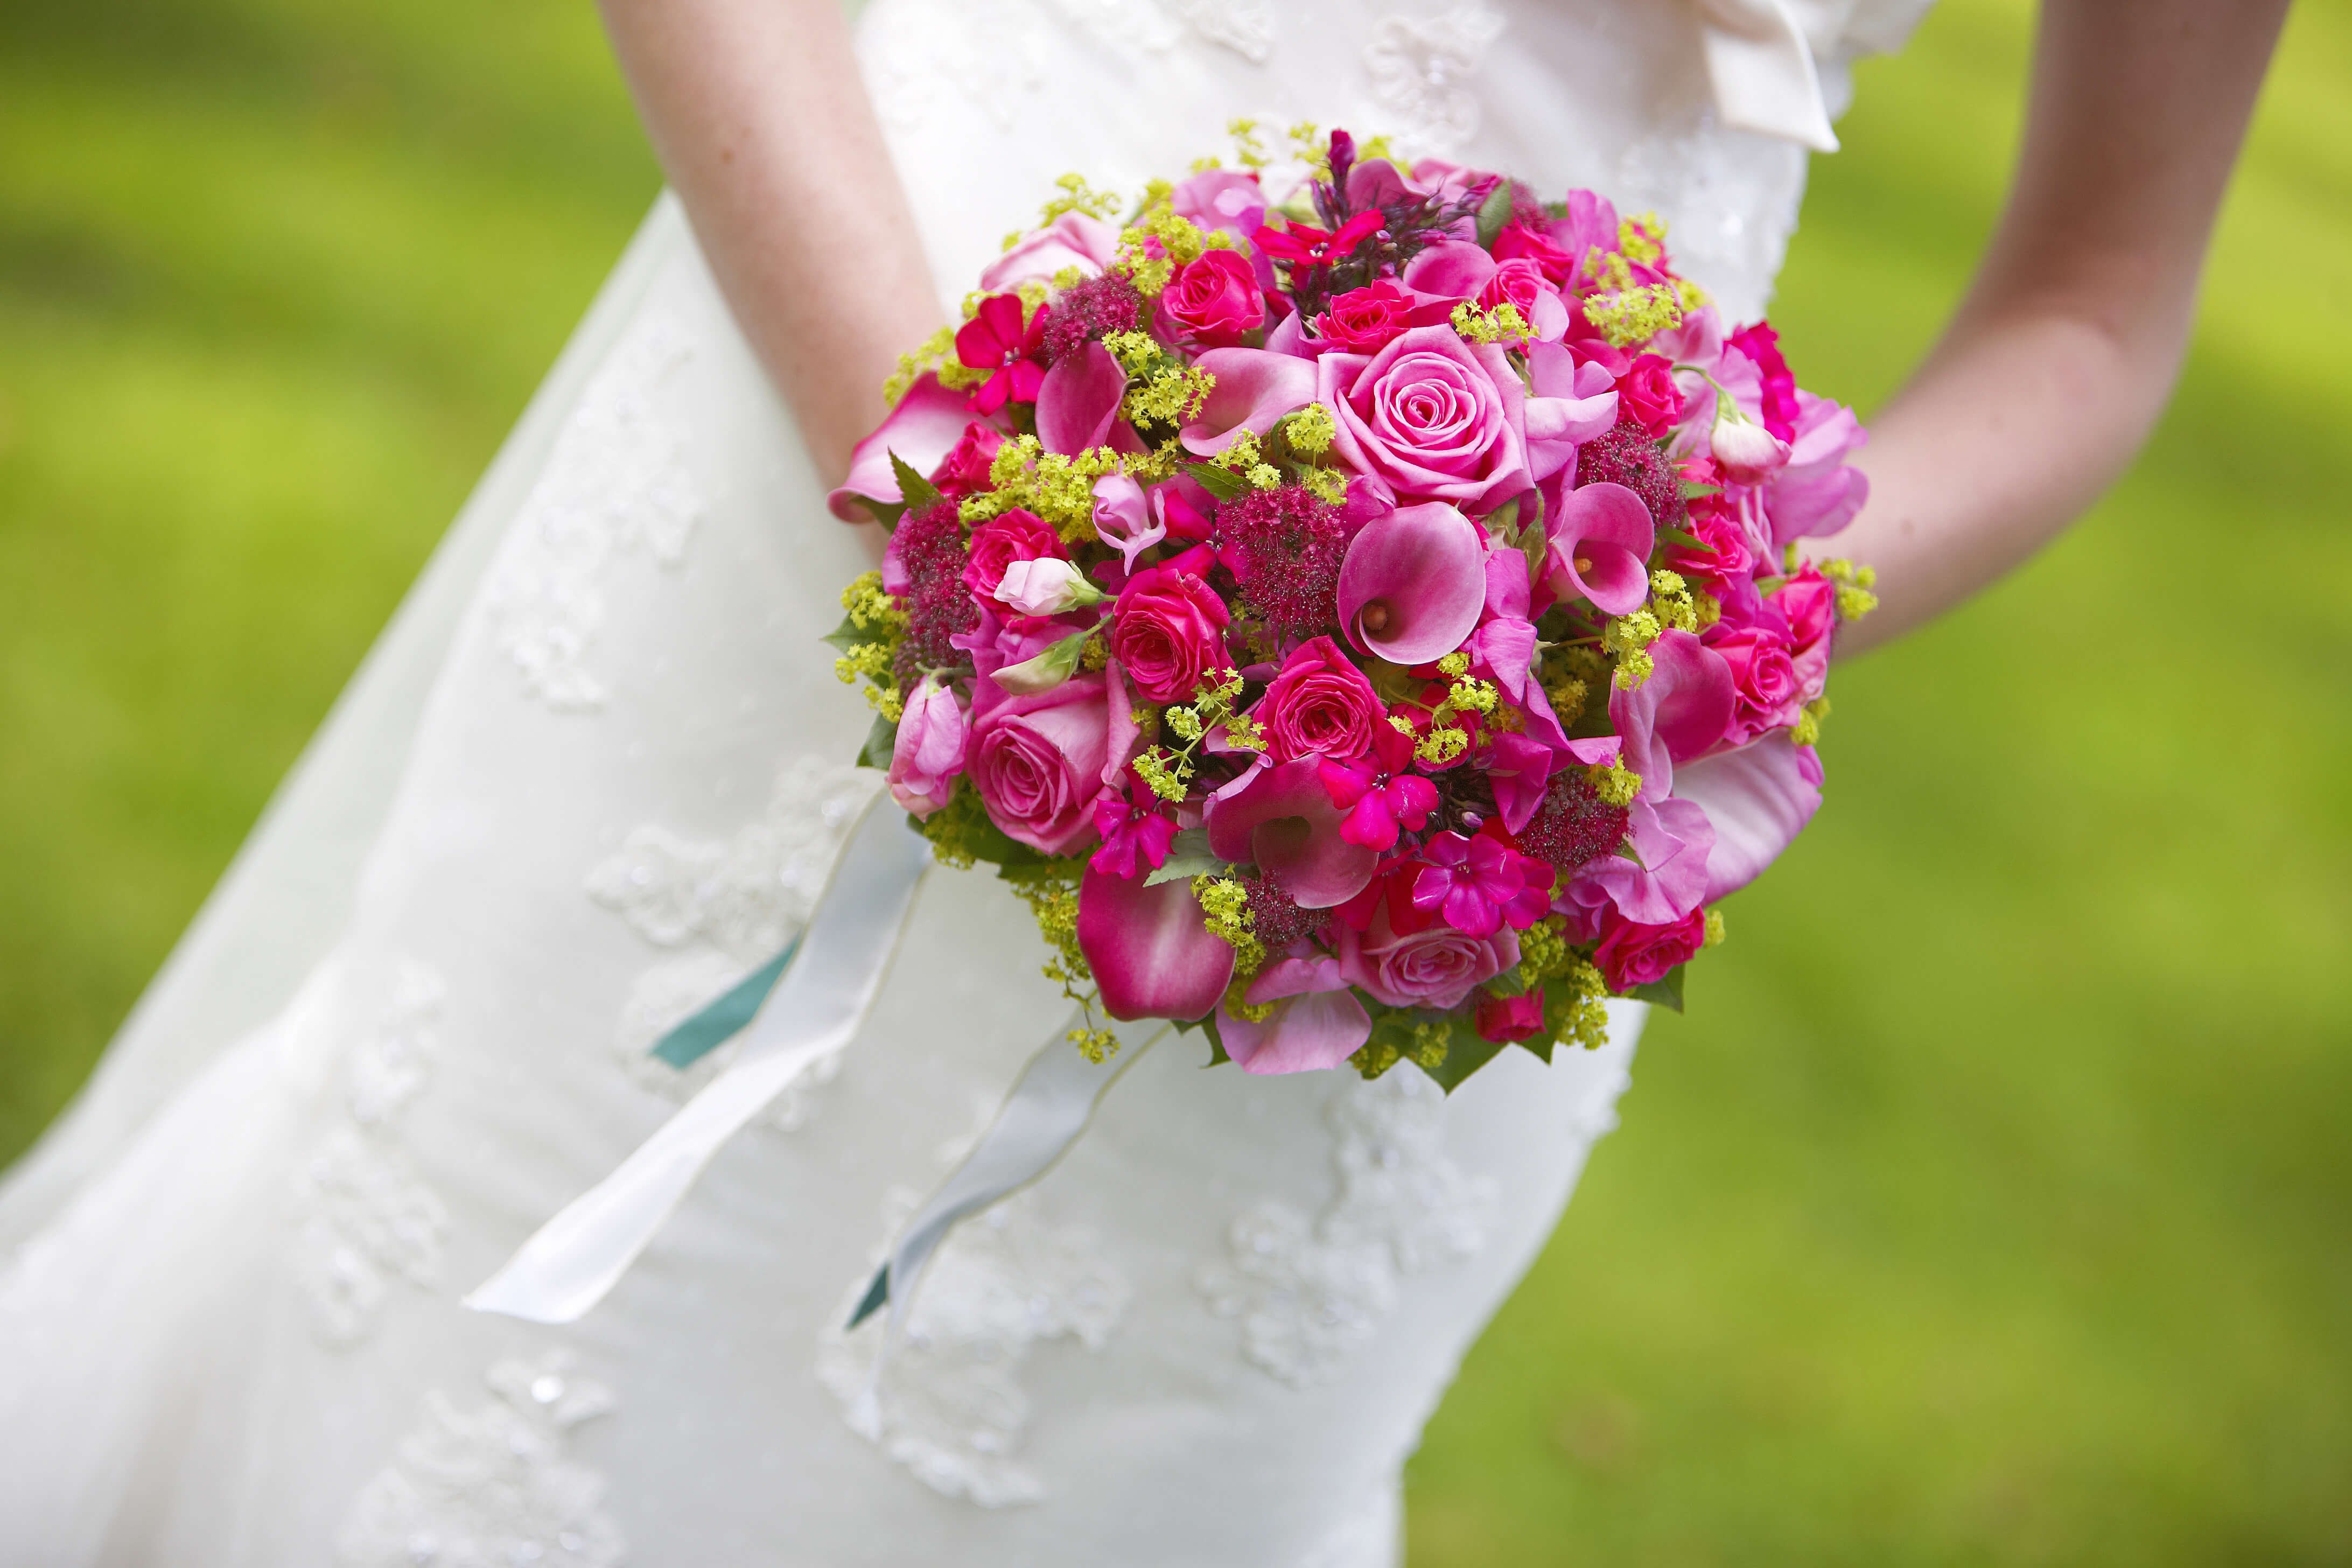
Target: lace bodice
{"type": "Point", "coordinates": [986, 101]}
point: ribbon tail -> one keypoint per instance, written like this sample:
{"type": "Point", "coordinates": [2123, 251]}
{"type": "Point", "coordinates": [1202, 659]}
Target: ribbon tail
{"type": "Point", "coordinates": [724, 1016]}
{"type": "Point", "coordinates": [1763, 73]}
{"type": "Point", "coordinates": [817, 1007]}
{"type": "Point", "coordinates": [1050, 1107]}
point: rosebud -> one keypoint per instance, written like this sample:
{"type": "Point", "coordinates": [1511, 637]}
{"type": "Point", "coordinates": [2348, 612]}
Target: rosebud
{"type": "Point", "coordinates": [1046, 586]}
{"type": "Point", "coordinates": [1746, 451]}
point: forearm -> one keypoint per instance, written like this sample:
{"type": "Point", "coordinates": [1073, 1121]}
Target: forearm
{"type": "Point", "coordinates": [760, 117]}
{"type": "Point", "coordinates": [2065, 353]}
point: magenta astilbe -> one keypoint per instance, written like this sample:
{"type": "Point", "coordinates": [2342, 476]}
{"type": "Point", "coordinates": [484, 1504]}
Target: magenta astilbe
{"type": "Point", "coordinates": [1276, 916]}
{"type": "Point", "coordinates": [1090, 311]}
{"type": "Point", "coordinates": [1289, 544]}
{"type": "Point", "coordinates": [931, 545]}
{"type": "Point", "coordinates": [1574, 827]}
{"type": "Point", "coordinates": [1626, 455]}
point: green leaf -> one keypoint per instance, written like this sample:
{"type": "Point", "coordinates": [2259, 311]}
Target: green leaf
{"type": "Point", "coordinates": [1663, 993]}
{"type": "Point", "coordinates": [1217, 1057]}
{"type": "Point", "coordinates": [1492, 214]}
{"type": "Point", "coordinates": [880, 741]}
{"type": "Point", "coordinates": [1184, 868]}
{"type": "Point", "coordinates": [1537, 1045]}
{"type": "Point", "coordinates": [914, 491]}
{"type": "Point", "coordinates": [848, 635]}
{"type": "Point", "coordinates": [1677, 536]}
{"type": "Point", "coordinates": [1222, 483]}
{"type": "Point", "coordinates": [1466, 1053]}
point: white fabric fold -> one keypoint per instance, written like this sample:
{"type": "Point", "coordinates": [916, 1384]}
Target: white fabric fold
{"type": "Point", "coordinates": [1049, 1108]}
{"type": "Point", "coordinates": [1763, 69]}
{"type": "Point", "coordinates": [818, 1006]}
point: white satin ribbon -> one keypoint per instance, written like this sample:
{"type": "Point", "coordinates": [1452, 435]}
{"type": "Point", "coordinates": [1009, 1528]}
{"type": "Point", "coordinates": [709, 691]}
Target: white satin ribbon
{"type": "Point", "coordinates": [1049, 1108]}
{"type": "Point", "coordinates": [1763, 71]}
{"type": "Point", "coordinates": [816, 1008]}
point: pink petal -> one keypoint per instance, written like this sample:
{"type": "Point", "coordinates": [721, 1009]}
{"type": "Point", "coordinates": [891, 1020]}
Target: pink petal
{"type": "Point", "coordinates": [1074, 239]}
{"type": "Point", "coordinates": [1254, 389]}
{"type": "Point", "coordinates": [1078, 401]}
{"type": "Point", "coordinates": [1428, 564]}
{"type": "Point", "coordinates": [1282, 819]}
{"type": "Point", "coordinates": [1759, 798]}
{"type": "Point", "coordinates": [1609, 526]}
{"type": "Point", "coordinates": [1679, 713]}
{"type": "Point", "coordinates": [1452, 270]}
{"type": "Point", "coordinates": [922, 430]}
{"type": "Point", "coordinates": [1150, 952]}
{"type": "Point", "coordinates": [1308, 1035]}
{"type": "Point", "coordinates": [1295, 977]}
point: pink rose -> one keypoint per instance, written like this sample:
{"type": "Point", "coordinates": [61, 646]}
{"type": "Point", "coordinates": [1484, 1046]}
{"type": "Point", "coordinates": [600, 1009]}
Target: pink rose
{"type": "Point", "coordinates": [1011, 536]}
{"type": "Point", "coordinates": [1365, 320]}
{"type": "Point", "coordinates": [1722, 550]}
{"type": "Point", "coordinates": [1038, 761]}
{"type": "Point", "coordinates": [1320, 705]}
{"type": "Point", "coordinates": [1764, 686]}
{"type": "Point", "coordinates": [1212, 299]}
{"type": "Point", "coordinates": [965, 468]}
{"type": "Point", "coordinates": [1648, 392]}
{"type": "Point", "coordinates": [1168, 632]}
{"type": "Point", "coordinates": [1431, 417]}
{"type": "Point", "coordinates": [1517, 242]}
{"type": "Point", "coordinates": [1520, 283]}
{"type": "Point", "coordinates": [929, 750]}
{"type": "Point", "coordinates": [1631, 954]}
{"type": "Point", "coordinates": [1511, 1017]}
{"type": "Point", "coordinates": [1808, 602]}
{"type": "Point", "coordinates": [1436, 966]}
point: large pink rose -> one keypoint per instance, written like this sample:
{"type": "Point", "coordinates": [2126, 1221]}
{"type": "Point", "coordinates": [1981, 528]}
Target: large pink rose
{"type": "Point", "coordinates": [1213, 300]}
{"type": "Point", "coordinates": [1015, 535]}
{"type": "Point", "coordinates": [1168, 632]}
{"type": "Point", "coordinates": [1431, 418]}
{"type": "Point", "coordinates": [1765, 691]}
{"type": "Point", "coordinates": [1436, 966]}
{"type": "Point", "coordinates": [1631, 954]}
{"type": "Point", "coordinates": [1320, 705]}
{"type": "Point", "coordinates": [929, 750]}
{"type": "Point", "coordinates": [1038, 761]}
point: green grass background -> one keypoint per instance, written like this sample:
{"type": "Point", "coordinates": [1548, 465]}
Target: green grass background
{"type": "Point", "coordinates": [1995, 1203]}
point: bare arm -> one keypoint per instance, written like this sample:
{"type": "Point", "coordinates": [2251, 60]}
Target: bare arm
{"type": "Point", "coordinates": [2064, 352]}
{"type": "Point", "coordinates": [759, 115]}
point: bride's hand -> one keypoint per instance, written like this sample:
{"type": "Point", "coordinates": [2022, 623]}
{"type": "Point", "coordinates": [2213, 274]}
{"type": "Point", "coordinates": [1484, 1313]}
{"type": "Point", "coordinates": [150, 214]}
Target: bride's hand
{"type": "Point", "coordinates": [760, 117]}
{"type": "Point", "coordinates": [2058, 363]}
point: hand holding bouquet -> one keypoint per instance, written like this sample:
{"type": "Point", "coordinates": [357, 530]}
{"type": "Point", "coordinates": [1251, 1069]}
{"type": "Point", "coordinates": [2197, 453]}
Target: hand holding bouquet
{"type": "Point", "coordinates": [1359, 613]}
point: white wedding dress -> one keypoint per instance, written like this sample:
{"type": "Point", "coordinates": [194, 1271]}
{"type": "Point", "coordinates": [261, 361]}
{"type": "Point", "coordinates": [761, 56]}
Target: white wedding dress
{"type": "Point", "coordinates": [593, 772]}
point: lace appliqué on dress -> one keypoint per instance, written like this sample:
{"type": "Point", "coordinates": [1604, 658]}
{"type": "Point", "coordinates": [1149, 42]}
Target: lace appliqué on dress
{"type": "Point", "coordinates": [951, 1407]}
{"type": "Point", "coordinates": [731, 906]}
{"type": "Point", "coordinates": [1422, 72]}
{"type": "Point", "coordinates": [493, 1486]}
{"type": "Point", "coordinates": [616, 481]}
{"type": "Point", "coordinates": [1309, 1294]}
{"type": "Point", "coordinates": [366, 1219]}
{"type": "Point", "coordinates": [1245, 27]}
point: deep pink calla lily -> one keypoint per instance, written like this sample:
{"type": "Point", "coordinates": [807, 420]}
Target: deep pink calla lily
{"type": "Point", "coordinates": [1413, 583]}
{"type": "Point", "coordinates": [1678, 714]}
{"type": "Point", "coordinates": [1282, 819]}
{"type": "Point", "coordinates": [1151, 952]}
{"type": "Point", "coordinates": [1758, 799]}
{"type": "Point", "coordinates": [1599, 547]}
{"type": "Point", "coordinates": [922, 430]}
{"type": "Point", "coordinates": [1077, 403]}
{"type": "Point", "coordinates": [1255, 388]}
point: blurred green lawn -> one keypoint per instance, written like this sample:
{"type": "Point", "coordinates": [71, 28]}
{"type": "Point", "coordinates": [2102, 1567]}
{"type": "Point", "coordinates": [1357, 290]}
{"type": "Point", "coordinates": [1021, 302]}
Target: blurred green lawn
{"type": "Point", "coordinates": [1995, 1203]}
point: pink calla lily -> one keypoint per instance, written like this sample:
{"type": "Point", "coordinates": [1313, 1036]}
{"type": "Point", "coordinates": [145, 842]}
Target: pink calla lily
{"type": "Point", "coordinates": [1074, 239]}
{"type": "Point", "coordinates": [1599, 547]}
{"type": "Point", "coordinates": [1678, 714]}
{"type": "Point", "coordinates": [1254, 389]}
{"type": "Point", "coordinates": [922, 430]}
{"type": "Point", "coordinates": [1758, 799]}
{"type": "Point", "coordinates": [1077, 403]}
{"type": "Point", "coordinates": [1150, 953]}
{"type": "Point", "coordinates": [1413, 583]}
{"type": "Point", "coordinates": [1282, 819]}
{"type": "Point", "coordinates": [1672, 840]}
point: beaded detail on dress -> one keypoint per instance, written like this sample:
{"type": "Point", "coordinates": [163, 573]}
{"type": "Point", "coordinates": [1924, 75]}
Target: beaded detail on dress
{"type": "Point", "coordinates": [492, 1487]}
{"type": "Point", "coordinates": [1309, 1294]}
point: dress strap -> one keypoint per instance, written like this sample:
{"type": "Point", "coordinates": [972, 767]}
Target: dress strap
{"type": "Point", "coordinates": [1762, 68]}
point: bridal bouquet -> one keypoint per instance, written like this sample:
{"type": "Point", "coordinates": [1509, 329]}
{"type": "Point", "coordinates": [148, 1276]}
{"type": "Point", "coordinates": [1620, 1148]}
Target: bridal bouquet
{"type": "Point", "coordinates": [1365, 622]}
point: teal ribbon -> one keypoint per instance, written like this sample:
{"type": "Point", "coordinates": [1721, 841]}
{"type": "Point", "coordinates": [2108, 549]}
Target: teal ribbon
{"type": "Point", "coordinates": [724, 1016]}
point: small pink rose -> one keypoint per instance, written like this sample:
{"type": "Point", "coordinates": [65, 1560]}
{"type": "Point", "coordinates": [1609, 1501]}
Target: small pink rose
{"type": "Point", "coordinates": [965, 468]}
{"type": "Point", "coordinates": [1511, 1018]}
{"type": "Point", "coordinates": [1037, 761]}
{"type": "Point", "coordinates": [1320, 705]}
{"type": "Point", "coordinates": [1520, 283]}
{"type": "Point", "coordinates": [1648, 392]}
{"type": "Point", "coordinates": [1632, 955]}
{"type": "Point", "coordinates": [1015, 535]}
{"type": "Point", "coordinates": [1436, 967]}
{"type": "Point", "coordinates": [1168, 632]}
{"type": "Point", "coordinates": [1213, 300]}
{"type": "Point", "coordinates": [1365, 320]}
{"type": "Point", "coordinates": [929, 751]}
{"type": "Point", "coordinates": [1765, 694]}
